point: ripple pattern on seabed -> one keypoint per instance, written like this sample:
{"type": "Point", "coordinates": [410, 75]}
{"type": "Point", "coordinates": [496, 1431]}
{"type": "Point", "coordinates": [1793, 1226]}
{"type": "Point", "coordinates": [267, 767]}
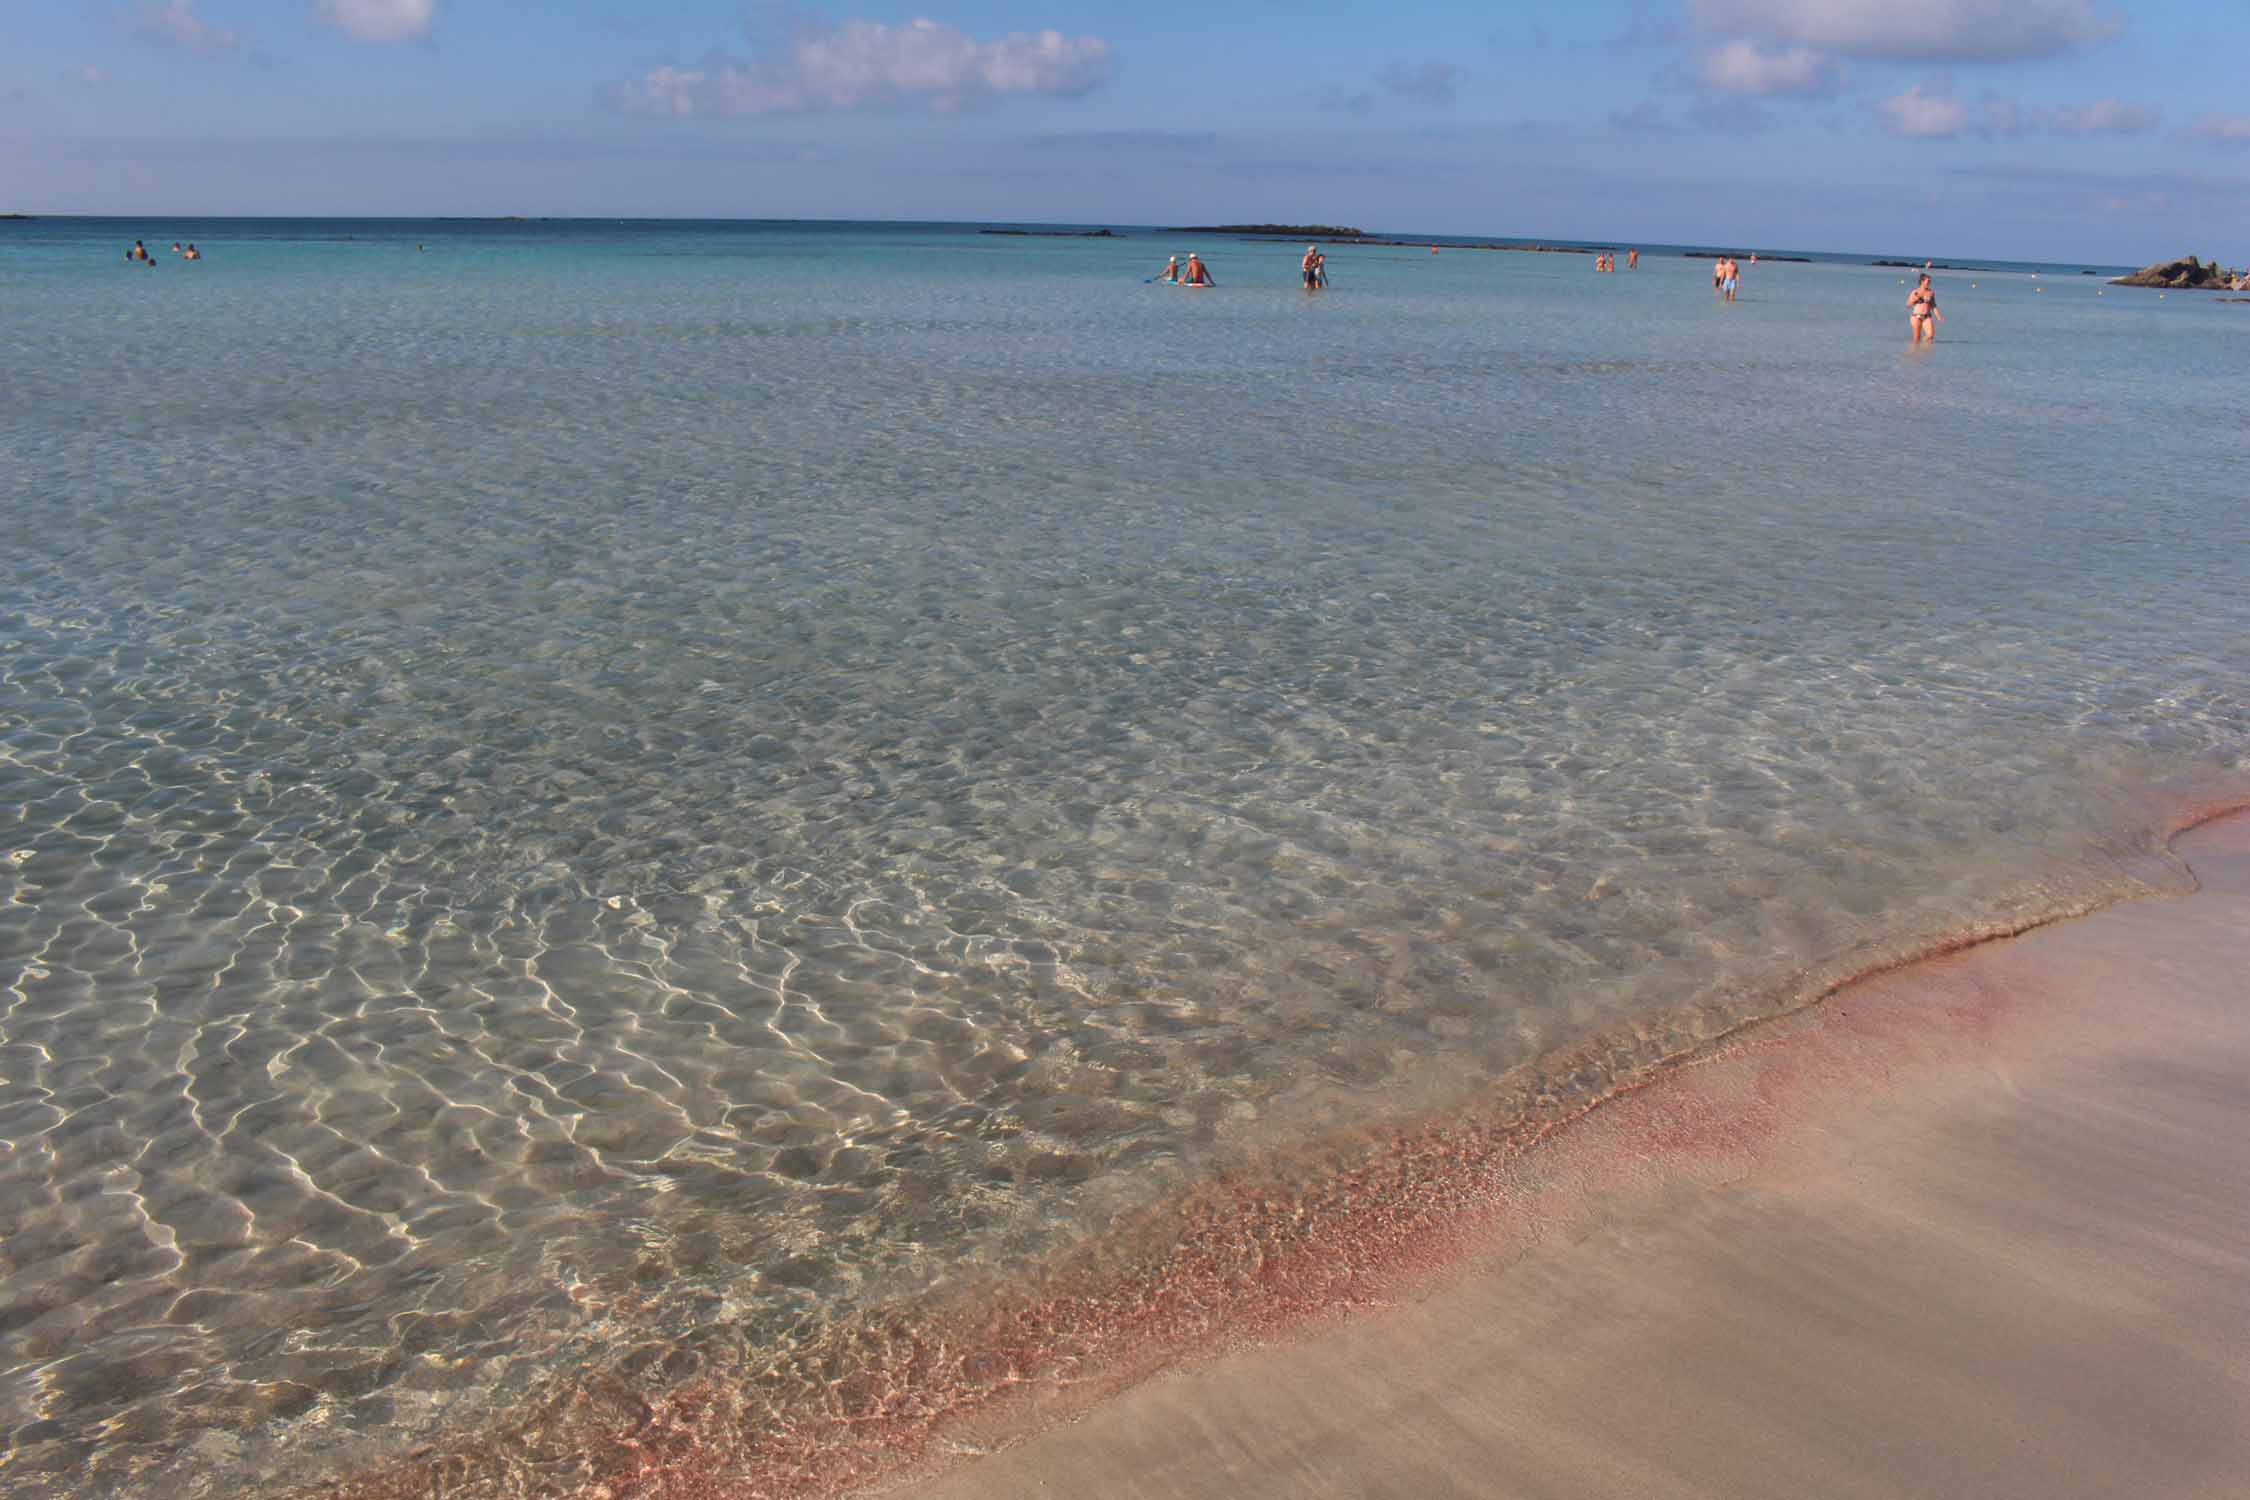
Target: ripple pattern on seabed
{"type": "Point", "coordinates": [553, 806]}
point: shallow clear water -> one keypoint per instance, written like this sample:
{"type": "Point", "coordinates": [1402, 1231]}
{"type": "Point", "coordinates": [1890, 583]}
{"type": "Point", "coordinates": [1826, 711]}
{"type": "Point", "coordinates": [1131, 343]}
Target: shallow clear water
{"type": "Point", "coordinates": [591, 781]}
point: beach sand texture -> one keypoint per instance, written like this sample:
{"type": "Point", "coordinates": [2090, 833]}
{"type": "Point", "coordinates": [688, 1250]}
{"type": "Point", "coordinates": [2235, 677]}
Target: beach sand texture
{"type": "Point", "coordinates": [1977, 1227]}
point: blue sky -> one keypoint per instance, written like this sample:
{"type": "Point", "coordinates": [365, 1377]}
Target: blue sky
{"type": "Point", "coordinates": [2048, 129]}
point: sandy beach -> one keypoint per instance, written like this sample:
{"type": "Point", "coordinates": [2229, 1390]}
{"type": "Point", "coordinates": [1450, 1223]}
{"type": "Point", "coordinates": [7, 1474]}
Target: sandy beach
{"type": "Point", "coordinates": [1979, 1226]}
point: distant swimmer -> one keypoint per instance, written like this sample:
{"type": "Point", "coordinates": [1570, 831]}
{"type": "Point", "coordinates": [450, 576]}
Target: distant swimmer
{"type": "Point", "coordinates": [1197, 273]}
{"type": "Point", "coordinates": [175, 247]}
{"type": "Point", "coordinates": [191, 252]}
{"type": "Point", "coordinates": [1922, 316]}
{"type": "Point", "coordinates": [1633, 260]}
{"type": "Point", "coordinates": [1171, 271]}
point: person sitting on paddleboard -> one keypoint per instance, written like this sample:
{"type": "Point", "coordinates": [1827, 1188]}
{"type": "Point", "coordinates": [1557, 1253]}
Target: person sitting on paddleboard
{"type": "Point", "coordinates": [1198, 274]}
{"type": "Point", "coordinates": [1171, 270]}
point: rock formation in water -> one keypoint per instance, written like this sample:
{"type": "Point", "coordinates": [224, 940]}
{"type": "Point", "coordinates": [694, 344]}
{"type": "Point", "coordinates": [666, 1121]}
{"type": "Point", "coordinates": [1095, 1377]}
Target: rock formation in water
{"type": "Point", "coordinates": [2185, 274]}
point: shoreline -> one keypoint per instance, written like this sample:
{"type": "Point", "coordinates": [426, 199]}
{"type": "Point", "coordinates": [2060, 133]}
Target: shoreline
{"type": "Point", "coordinates": [1359, 1220]}
{"type": "Point", "coordinates": [1971, 1226]}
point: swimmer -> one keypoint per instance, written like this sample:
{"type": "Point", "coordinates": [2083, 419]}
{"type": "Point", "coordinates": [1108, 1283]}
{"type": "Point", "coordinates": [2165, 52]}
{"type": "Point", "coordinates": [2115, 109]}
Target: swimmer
{"type": "Point", "coordinates": [1171, 271]}
{"type": "Point", "coordinates": [192, 253]}
{"type": "Point", "coordinates": [175, 247]}
{"type": "Point", "coordinates": [1197, 273]}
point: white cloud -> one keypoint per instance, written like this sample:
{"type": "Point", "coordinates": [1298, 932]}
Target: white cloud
{"type": "Point", "coordinates": [1960, 31]}
{"type": "Point", "coordinates": [2213, 126]}
{"type": "Point", "coordinates": [2106, 117]}
{"type": "Point", "coordinates": [1996, 116]}
{"type": "Point", "coordinates": [871, 65]}
{"type": "Point", "coordinates": [379, 20]}
{"type": "Point", "coordinates": [1917, 113]}
{"type": "Point", "coordinates": [1743, 66]}
{"type": "Point", "coordinates": [176, 22]}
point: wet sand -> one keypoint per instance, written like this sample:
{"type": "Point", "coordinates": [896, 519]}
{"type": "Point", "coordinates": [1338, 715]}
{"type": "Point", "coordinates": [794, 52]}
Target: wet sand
{"type": "Point", "coordinates": [1979, 1226]}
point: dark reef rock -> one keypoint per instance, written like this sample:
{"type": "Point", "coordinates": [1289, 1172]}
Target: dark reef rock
{"type": "Point", "coordinates": [1056, 234]}
{"type": "Point", "coordinates": [2184, 274]}
{"type": "Point", "coordinates": [1286, 231]}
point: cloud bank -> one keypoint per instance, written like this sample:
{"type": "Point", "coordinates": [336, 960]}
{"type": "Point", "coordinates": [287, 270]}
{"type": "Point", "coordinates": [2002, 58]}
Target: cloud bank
{"type": "Point", "coordinates": [2213, 126]}
{"type": "Point", "coordinates": [379, 20]}
{"type": "Point", "coordinates": [1949, 31]}
{"type": "Point", "coordinates": [1934, 113]}
{"type": "Point", "coordinates": [869, 65]}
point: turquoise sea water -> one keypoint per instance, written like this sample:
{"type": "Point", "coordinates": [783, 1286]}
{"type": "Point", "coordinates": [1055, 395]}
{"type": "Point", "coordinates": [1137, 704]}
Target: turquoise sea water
{"type": "Point", "coordinates": [581, 784]}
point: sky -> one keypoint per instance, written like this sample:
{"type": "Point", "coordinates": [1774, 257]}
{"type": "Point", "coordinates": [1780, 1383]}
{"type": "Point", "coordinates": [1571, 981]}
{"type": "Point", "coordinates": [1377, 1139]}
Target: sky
{"type": "Point", "coordinates": [2068, 130]}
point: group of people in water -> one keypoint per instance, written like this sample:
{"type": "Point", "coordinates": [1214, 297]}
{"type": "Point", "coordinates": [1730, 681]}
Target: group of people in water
{"type": "Point", "coordinates": [139, 253]}
{"type": "Point", "coordinates": [1726, 276]}
{"type": "Point", "coordinates": [1194, 273]}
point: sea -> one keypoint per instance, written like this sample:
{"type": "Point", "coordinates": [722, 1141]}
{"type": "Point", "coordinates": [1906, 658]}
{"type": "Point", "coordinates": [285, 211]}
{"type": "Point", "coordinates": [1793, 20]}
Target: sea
{"type": "Point", "coordinates": [587, 807]}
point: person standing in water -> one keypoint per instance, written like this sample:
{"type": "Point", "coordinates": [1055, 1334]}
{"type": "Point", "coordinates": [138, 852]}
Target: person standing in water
{"type": "Point", "coordinates": [1729, 278]}
{"type": "Point", "coordinates": [1922, 316]}
{"type": "Point", "coordinates": [1310, 266]}
{"type": "Point", "coordinates": [1632, 260]}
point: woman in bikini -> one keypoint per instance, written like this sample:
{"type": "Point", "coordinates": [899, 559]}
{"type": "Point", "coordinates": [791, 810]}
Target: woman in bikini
{"type": "Point", "coordinates": [1922, 316]}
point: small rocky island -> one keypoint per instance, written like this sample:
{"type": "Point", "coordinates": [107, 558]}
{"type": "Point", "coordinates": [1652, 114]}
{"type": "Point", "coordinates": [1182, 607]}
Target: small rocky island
{"type": "Point", "coordinates": [1285, 231]}
{"type": "Point", "coordinates": [2187, 274]}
